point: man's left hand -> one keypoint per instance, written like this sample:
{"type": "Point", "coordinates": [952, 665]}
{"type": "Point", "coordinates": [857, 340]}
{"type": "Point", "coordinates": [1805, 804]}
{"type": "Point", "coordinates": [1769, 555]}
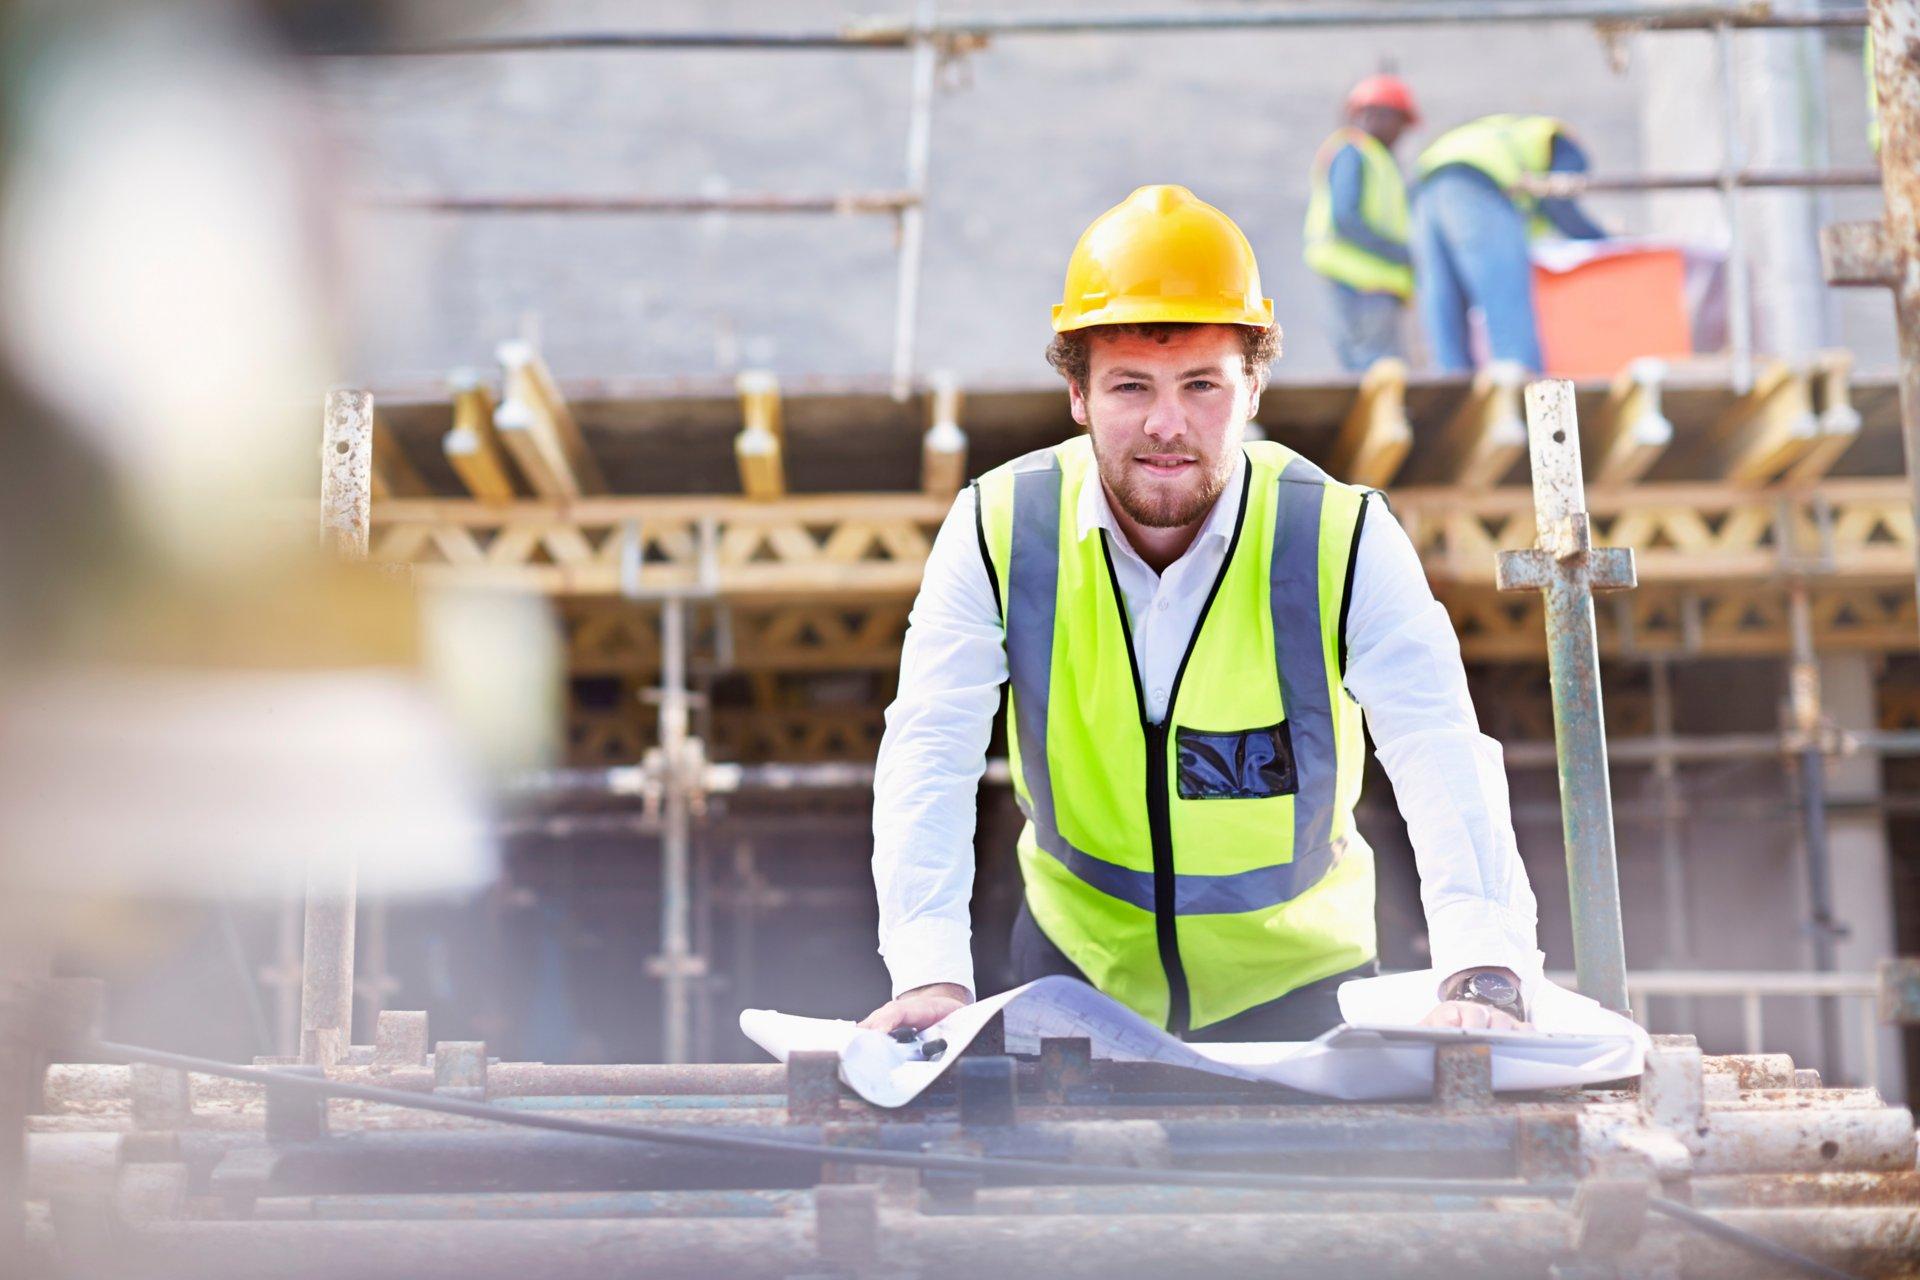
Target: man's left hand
{"type": "Point", "coordinates": [1472, 1015]}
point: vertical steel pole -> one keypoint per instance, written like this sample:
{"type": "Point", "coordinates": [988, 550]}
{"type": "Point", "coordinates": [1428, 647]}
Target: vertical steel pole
{"type": "Point", "coordinates": [346, 498]}
{"type": "Point", "coordinates": [675, 952]}
{"type": "Point", "coordinates": [1568, 568]}
{"type": "Point", "coordinates": [1887, 253]}
{"type": "Point", "coordinates": [913, 219]}
{"type": "Point", "coordinates": [1803, 698]}
{"type": "Point", "coordinates": [1732, 157]}
{"type": "Point", "coordinates": [1673, 869]}
{"type": "Point", "coordinates": [1896, 36]}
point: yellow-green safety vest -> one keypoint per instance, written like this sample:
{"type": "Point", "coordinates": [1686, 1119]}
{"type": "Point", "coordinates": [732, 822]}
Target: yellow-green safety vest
{"type": "Point", "coordinates": [1197, 867]}
{"type": "Point", "coordinates": [1506, 148]}
{"type": "Point", "coordinates": [1383, 207]}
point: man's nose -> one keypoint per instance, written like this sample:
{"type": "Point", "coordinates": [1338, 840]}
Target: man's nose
{"type": "Point", "coordinates": [1165, 421]}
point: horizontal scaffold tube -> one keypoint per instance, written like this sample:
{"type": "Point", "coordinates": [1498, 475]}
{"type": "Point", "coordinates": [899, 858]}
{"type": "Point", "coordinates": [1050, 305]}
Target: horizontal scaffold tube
{"type": "Point", "coordinates": [1377, 1245]}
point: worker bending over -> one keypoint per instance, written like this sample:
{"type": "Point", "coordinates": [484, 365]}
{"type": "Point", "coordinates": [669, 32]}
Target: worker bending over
{"type": "Point", "coordinates": [1190, 625]}
{"type": "Point", "coordinates": [1472, 224]}
{"type": "Point", "coordinates": [1356, 232]}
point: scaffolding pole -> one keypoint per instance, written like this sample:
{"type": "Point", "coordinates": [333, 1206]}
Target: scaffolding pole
{"type": "Point", "coordinates": [913, 221]}
{"type": "Point", "coordinates": [969, 31]}
{"type": "Point", "coordinates": [346, 505]}
{"type": "Point", "coordinates": [1887, 253]}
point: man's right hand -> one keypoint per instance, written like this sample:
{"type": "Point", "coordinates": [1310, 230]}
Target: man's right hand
{"type": "Point", "coordinates": [919, 1008]}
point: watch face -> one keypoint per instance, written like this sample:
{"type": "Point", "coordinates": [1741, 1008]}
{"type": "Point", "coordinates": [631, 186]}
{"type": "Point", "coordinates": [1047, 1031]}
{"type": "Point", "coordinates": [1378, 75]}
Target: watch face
{"type": "Point", "coordinates": [1494, 988]}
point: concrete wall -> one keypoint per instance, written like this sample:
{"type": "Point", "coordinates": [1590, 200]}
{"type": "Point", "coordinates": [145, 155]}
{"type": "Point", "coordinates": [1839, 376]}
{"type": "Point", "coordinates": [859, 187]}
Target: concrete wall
{"type": "Point", "coordinates": [1048, 132]}
{"type": "Point", "coordinates": [1043, 134]}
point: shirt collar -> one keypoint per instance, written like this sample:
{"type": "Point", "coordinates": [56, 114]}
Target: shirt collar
{"type": "Point", "coordinates": [1096, 513]}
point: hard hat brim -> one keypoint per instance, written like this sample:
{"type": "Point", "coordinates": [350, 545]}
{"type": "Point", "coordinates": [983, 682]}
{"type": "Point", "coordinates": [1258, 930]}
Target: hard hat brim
{"type": "Point", "coordinates": [1163, 311]}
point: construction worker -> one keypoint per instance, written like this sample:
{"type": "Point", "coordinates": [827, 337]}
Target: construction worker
{"type": "Point", "coordinates": [1472, 224]}
{"type": "Point", "coordinates": [1190, 624]}
{"type": "Point", "coordinates": [1356, 232]}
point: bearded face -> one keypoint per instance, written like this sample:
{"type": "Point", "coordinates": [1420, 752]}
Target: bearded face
{"type": "Point", "coordinates": [1166, 413]}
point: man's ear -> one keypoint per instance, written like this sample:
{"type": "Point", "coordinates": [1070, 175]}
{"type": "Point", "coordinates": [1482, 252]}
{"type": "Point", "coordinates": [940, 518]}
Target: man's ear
{"type": "Point", "coordinates": [1077, 402]}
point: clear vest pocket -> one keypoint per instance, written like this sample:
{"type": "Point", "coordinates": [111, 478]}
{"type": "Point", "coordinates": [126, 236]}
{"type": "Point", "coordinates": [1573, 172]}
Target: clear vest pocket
{"type": "Point", "coordinates": [1251, 764]}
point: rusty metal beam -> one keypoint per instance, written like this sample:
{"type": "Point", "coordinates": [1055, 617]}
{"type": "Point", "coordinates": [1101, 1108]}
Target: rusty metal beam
{"type": "Point", "coordinates": [843, 204]}
{"type": "Point", "coordinates": [1887, 253]}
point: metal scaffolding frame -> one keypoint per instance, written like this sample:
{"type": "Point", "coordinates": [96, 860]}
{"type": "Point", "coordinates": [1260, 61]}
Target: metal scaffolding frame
{"type": "Point", "coordinates": [931, 39]}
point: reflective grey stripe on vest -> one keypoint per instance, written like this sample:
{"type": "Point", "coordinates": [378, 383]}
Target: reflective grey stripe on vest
{"type": "Point", "coordinates": [1033, 576]}
{"type": "Point", "coordinates": [1294, 591]}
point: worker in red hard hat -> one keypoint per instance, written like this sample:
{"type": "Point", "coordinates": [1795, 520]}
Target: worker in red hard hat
{"type": "Point", "coordinates": [1356, 232]}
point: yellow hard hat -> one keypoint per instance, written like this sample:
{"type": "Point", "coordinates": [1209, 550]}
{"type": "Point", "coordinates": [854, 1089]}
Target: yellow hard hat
{"type": "Point", "coordinates": [1162, 254]}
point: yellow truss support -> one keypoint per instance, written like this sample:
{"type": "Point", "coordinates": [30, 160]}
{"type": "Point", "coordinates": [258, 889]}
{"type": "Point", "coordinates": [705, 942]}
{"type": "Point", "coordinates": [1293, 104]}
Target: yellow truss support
{"type": "Point", "coordinates": [1632, 431]}
{"type": "Point", "coordinates": [1488, 432]}
{"type": "Point", "coordinates": [760, 446]}
{"type": "Point", "coordinates": [472, 446]}
{"type": "Point", "coordinates": [1375, 437]}
{"type": "Point", "coordinates": [943, 452]}
{"type": "Point", "coordinates": [1839, 421]}
{"type": "Point", "coordinates": [539, 429]}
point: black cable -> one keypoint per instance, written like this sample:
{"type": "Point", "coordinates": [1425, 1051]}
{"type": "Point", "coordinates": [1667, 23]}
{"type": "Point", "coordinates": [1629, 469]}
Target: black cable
{"type": "Point", "coordinates": [696, 1137]}
{"type": "Point", "coordinates": [1042, 1169]}
{"type": "Point", "coordinates": [1707, 1224]}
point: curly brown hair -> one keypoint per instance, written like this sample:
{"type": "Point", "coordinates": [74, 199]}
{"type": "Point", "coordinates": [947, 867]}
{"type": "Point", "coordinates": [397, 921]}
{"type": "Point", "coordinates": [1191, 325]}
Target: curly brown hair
{"type": "Point", "coordinates": [1072, 352]}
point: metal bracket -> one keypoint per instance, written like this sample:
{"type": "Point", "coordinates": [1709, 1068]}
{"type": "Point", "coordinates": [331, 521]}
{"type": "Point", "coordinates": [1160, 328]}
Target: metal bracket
{"type": "Point", "coordinates": [813, 1085]}
{"type": "Point", "coordinates": [1066, 1063]}
{"type": "Point", "coordinates": [460, 1069]}
{"type": "Point", "coordinates": [295, 1114]}
{"type": "Point", "coordinates": [400, 1038]}
{"type": "Point", "coordinates": [1463, 1077]}
{"type": "Point", "coordinates": [987, 1091]}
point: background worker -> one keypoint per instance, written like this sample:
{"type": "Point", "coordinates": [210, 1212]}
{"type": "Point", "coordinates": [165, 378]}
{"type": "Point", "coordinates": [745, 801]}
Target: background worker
{"type": "Point", "coordinates": [1190, 624]}
{"type": "Point", "coordinates": [1472, 225]}
{"type": "Point", "coordinates": [1356, 232]}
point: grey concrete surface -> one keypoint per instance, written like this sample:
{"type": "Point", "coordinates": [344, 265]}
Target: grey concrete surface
{"type": "Point", "coordinates": [1045, 134]}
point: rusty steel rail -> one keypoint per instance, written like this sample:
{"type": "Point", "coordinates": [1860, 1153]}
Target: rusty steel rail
{"type": "Point", "coordinates": [1732, 1127]}
{"type": "Point", "coordinates": [1557, 186]}
{"type": "Point", "coordinates": [962, 33]}
{"type": "Point", "coordinates": [843, 204]}
{"type": "Point", "coordinates": [1886, 254]}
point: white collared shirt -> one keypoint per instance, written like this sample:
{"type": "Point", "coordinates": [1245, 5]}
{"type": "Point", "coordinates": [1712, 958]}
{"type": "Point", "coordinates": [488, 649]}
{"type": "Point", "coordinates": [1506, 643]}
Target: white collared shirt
{"type": "Point", "coordinates": [1403, 667]}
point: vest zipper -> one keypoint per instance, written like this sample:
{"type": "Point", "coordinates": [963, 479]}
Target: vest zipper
{"type": "Point", "coordinates": [1159, 798]}
{"type": "Point", "coordinates": [1165, 919]}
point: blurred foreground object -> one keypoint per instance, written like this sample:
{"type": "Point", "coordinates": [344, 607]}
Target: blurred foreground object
{"type": "Point", "coordinates": [195, 703]}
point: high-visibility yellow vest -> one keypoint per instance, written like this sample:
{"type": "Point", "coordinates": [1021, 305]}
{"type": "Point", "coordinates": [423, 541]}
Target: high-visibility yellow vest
{"type": "Point", "coordinates": [1198, 867]}
{"type": "Point", "coordinates": [1383, 207]}
{"type": "Point", "coordinates": [1506, 148]}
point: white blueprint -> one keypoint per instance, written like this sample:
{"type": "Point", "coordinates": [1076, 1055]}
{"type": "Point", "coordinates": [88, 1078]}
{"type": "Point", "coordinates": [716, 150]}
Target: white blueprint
{"type": "Point", "coordinates": [1378, 1054]}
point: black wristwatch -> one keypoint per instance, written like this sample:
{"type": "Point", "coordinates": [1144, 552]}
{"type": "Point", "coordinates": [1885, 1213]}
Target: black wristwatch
{"type": "Point", "coordinates": [1495, 990]}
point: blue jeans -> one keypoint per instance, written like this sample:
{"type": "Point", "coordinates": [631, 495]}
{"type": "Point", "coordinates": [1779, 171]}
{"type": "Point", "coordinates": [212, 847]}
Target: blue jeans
{"type": "Point", "coordinates": [1366, 327]}
{"type": "Point", "coordinates": [1469, 249]}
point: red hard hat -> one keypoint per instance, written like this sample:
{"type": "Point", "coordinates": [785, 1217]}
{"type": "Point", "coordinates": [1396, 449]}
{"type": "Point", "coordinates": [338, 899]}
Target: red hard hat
{"type": "Point", "coordinates": [1384, 91]}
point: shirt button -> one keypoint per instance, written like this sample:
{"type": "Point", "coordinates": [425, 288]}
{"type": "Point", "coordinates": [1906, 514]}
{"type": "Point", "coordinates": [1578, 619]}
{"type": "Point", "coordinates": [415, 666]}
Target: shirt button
{"type": "Point", "coordinates": [1161, 605]}
{"type": "Point", "coordinates": [1159, 695]}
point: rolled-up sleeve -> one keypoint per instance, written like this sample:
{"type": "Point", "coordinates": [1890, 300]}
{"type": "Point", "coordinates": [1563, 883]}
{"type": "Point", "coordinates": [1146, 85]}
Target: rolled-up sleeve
{"type": "Point", "coordinates": [927, 777]}
{"type": "Point", "coordinates": [1404, 668]}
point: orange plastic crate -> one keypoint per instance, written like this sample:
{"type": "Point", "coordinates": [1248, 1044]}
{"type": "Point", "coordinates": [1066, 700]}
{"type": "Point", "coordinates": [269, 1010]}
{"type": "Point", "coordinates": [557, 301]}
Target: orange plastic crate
{"type": "Point", "coordinates": [1605, 313]}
